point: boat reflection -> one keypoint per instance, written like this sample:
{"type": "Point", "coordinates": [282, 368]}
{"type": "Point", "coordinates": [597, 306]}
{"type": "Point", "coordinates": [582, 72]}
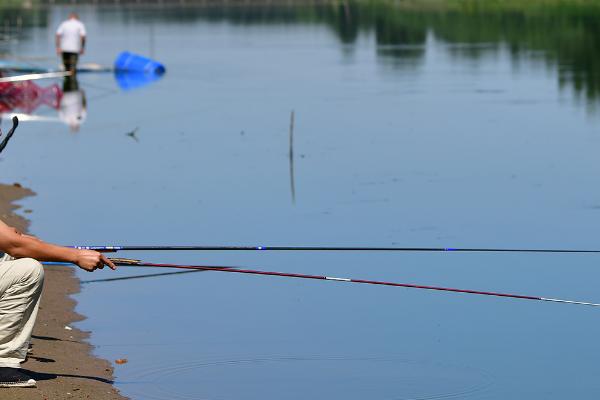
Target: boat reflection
{"type": "Point", "coordinates": [135, 80]}
{"type": "Point", "coordinates": [31, 101]}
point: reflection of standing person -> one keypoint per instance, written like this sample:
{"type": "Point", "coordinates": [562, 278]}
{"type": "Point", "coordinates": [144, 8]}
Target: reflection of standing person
{"type": "Point", "coordinates": [70, 41]}
{"type": "Point", "coordinates": [72, 104]}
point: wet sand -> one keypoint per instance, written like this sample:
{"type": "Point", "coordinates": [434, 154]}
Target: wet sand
{"type": "Point", "coordinates": [61, 359]}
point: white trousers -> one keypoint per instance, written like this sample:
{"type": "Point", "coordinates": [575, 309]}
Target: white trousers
{"type": "Point", "coordinates": [21, 284]}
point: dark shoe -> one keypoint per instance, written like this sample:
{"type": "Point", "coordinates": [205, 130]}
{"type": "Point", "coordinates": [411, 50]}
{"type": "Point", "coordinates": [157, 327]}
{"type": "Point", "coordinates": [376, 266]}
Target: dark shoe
{"type": "Point", "coordinates": [14, 377]}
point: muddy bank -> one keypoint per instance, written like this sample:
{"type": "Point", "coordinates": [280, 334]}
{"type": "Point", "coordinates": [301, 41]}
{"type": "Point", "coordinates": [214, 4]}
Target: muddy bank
{"type": "Point", "coordinates": [60, 360]}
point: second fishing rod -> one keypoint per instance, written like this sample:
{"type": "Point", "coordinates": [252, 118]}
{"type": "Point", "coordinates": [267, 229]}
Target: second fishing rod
{"type": "Point", "coordinates": [336, 249]}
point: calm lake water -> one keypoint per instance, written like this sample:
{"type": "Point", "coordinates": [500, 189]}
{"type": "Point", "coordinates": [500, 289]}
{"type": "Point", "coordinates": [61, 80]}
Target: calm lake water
{"type": "Point", "coordinates": [414, 126]}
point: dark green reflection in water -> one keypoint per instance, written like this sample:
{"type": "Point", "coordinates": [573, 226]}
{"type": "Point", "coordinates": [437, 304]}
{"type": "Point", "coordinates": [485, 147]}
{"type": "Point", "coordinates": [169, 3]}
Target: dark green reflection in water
{"type": "Point", "coordinates": [563, 34]}
{"type": "Point", "coordinates": [14, 21]}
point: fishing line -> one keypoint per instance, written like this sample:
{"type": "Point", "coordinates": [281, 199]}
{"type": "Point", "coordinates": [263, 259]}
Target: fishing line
{"type": "Point", "coordinates": [124, 278]}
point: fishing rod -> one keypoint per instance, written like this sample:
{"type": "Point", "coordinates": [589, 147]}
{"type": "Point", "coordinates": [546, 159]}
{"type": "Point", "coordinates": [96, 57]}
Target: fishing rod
{"type": "Point", "coordinates": [31, 77]}
{"type": "Point", "coordinates": [330, 248]}
{"type": "Point", "coordinates": [138, 263]}
{"type": "Point", "coordinates": [9, 134]}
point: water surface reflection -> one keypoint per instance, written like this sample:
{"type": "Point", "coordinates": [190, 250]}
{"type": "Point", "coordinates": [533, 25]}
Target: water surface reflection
{"type": "Point", "coordinates": [560, 35]}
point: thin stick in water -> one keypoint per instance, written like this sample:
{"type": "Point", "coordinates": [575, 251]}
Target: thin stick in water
{"type": "Point", "coordinates": [291, 154]}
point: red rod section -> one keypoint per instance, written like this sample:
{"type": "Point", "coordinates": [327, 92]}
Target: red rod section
{"type": "Point", "coordinates": [319, 277]}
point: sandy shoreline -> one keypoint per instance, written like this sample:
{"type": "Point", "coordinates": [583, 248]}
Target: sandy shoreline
{"type": "Point", "coordinates": [61, 359]}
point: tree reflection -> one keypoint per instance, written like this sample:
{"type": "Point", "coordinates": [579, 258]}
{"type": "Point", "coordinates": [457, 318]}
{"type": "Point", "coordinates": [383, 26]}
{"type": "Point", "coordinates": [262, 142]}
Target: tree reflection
{"type": "Point", "coordinates": [563, 34]}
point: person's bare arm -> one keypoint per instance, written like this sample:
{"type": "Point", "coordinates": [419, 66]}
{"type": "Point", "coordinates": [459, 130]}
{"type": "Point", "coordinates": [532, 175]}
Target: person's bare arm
{"type": "Point", "coordinates": [82, 45]}
{"type": "Point", "coordinates": [20, 246]}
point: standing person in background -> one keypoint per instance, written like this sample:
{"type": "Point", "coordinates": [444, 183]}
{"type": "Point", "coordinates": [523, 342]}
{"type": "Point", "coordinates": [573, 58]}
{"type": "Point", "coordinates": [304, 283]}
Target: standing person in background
{"type": "Point", "coordinates": [70, 41]}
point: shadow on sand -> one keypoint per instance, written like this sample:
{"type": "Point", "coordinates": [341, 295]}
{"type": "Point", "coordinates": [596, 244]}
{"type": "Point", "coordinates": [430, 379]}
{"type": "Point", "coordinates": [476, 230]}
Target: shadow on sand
{"type": "Point", "coordinates": [40, 376]}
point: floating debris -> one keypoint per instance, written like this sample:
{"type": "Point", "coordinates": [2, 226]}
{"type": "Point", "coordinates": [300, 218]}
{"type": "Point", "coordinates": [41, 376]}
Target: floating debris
{"type": "Point", "coordinates": [132, 134]}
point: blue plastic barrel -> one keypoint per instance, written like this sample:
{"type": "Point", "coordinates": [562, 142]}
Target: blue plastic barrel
{"type": "Point", "coordinates": [131, 62]}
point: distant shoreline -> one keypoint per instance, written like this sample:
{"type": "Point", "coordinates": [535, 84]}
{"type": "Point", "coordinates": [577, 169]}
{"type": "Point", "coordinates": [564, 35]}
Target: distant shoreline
{"type": "Point", "coordinates": [61, 360]}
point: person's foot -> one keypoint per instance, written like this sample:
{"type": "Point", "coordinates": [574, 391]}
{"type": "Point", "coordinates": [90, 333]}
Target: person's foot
{"type": "Point", "coordinates": [14, 377]}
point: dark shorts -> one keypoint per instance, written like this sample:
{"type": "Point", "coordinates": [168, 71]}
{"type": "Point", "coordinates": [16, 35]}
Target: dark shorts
{"type": "Point", "coordinates": [70, 61]}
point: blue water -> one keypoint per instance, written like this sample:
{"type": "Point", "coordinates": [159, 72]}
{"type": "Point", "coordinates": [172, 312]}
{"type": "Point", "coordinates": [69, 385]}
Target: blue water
{"type": "Point", "coordinates": [442, 149]}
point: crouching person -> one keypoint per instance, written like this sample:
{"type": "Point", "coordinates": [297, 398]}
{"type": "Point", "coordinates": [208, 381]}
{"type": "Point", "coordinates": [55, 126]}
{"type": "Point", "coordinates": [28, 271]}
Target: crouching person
{"type": "Point", "coordinates": [21, 282]}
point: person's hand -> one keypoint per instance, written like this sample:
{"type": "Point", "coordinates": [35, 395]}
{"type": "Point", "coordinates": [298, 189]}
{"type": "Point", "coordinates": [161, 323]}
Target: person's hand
{"type": "Point", "coordinates": [58, 51]}
{"type": "Point", "coordinates": [90, 260]}
{"type": "Point", "coordinates": [81, 51]}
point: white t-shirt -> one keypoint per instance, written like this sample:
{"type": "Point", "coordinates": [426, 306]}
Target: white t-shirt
{"type": "Point", "coordinates": [71, 31]}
